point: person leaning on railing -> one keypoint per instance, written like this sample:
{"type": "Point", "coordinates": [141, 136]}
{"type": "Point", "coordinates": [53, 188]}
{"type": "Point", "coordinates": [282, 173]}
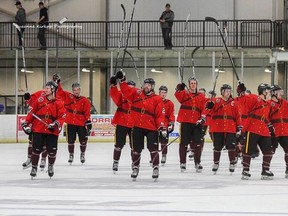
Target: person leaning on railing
{"type": "Point", "coordinates": [166, 22]}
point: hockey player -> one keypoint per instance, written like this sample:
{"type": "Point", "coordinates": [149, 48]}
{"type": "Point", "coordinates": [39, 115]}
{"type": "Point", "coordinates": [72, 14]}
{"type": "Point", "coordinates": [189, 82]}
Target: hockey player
{"type": "Point", "coordinates": [191, 116]}
{"type": "Point", "coordinates": [29, 99]}
{"type": "Point", "coordinates": [279, 119]}
{"type": "Point", "coordinates": [78, 119]}
{"type": "Point", "coordinates": [258, 129]}
{"type": "Point", "coordinates": [148, 114]}
{"type": "Point", "coordinates": [46, 115]}
{"type": "Point", "coordinates": [122, 120]}
{"type": "Point", "coordinates": [225, 118]}
{"type": "Point", "coordinates": [169, 122]}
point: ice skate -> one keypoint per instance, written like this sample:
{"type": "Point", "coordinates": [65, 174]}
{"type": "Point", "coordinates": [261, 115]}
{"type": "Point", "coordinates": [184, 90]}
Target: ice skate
{"type": "Point", "coordinates": [155, 174]}
{"type": "Point", "coordinates": [245, 175]}
{"type": "Point", "coordinates": [82, 157]}
{"type": "Point", "coordinates": [163, 160]}
{"type": "Point", "coordinates": [191, 156]}
{"type": "Point", "coordinates": [42, 164]}
{"type": "Point", "coordinates": [115, 166]}
{"type": "Point", "coordinates": [267, 175]}
{"type": "Point", "coordinates": [199, 168]}
{"type": "Point", "coordinates": [27, 163]}
{"type": "Point", "coordinates": [231, 168]}
{"type": "Point", "coordinates": [183, 167]}
{"type": "Point", "coordinates": [135, 172]}
{"type": "Point", "coordinates": [33, 173]}
{"type": "Point", "coordinates": [71, 157]}
{"type": "Point", "coordinates": [215, 168]}
{"type": "Point", "coordinates": [50, 171]}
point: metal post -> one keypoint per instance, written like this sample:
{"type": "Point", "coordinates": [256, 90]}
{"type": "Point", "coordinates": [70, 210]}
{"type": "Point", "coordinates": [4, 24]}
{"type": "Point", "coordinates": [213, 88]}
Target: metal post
{"type": "Point", "coordinates": [78, 66]}
{"type": "Point", "coordinates": [46, 67]}
{"type": "Point", "coordinates": [213, 68]}
{"type": "Point", "coordinates": [16, 83]}
{"type": "Point", "coordinates": [242, 66]}
{"type": "Point", "coordinates": [91, 78]}
{"type": "Point", "coordinates": [145, 64]}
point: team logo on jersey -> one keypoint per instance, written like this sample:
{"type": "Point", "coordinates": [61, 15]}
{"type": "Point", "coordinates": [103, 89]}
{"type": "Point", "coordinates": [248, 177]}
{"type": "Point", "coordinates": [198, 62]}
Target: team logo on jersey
{"type": "Point", "coordinates": [218, 100]}
{"type": "Point", "coordinates": [139, 91]}
{"type": "Point", "coordinates": [40, 99]}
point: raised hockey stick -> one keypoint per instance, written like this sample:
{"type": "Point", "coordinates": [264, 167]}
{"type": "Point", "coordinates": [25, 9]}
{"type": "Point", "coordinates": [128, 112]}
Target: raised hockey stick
{"type": "Point", "coordinates": [23, 55]}
{"type": "Point", "coordinates": [128, 34]}
{"type": "Point", "coordinates": [224, 42]}
{"type": "Point", "coordinates": [192, 59]}
{"type": "Point", "coordinates": [181, 69]}
{"type": "Point", "coordinates": [120, 38]}
{"type": "Point", "coordinates": [220, 61]}
{"type": "Point", "coordinates": [135, 67]}
{"type": "Point", "coordinates": [57, 39]}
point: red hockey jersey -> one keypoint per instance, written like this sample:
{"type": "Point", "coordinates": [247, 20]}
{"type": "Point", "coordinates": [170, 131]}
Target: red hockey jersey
{"type": "Point", "coordinates": [77, 108]}
{"type": "Point", "coordinates": [169, 112]}
{"type": "Point", "coordinates": [225, 116]}
{"type": "Point", "coordinates": [122, 115]}
{"type": "Point", "coordinates": [192, 106]}
{"type": "Point", "coordinates": [147, 111]}
{"type": "Point", "coordinates": [279, 117]}
{"type": "Point", "coordinates": [49, 111]}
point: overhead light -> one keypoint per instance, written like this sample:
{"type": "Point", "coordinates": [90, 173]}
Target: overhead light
{"type": "Point", "coordinates": [27, 71]}
{"type": "Point", "coordinates": [220, 71]}
{"type": "Point", "coordinates": [267, 70]}
{"type": "Point", "coordinates": [153, 70]}
{"type": "Point", "coordinates": [87, 71]}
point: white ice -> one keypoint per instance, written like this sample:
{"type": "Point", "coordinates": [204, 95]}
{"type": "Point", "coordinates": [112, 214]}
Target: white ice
{"type": "Point", "coordinates": [93, 189]}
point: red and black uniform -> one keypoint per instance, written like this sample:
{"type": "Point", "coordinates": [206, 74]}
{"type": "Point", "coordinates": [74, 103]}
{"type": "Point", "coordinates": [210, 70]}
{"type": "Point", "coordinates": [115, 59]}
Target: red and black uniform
{"type": "Point", "coordinates": [191, 109]}
{"type": "Point", "coordinates": [50, 111]}
{"type": "Point", "coordinates": [122, 120]}
{"type": "Point", "coordinates": [225, 117]}
{"type": "Point", "coordinates": [78, 112]}
{"type": "Point", "coordinates": [257, 131]}
{"type": "Point", "coordinates": [148, 114]}
{"type": "Point", "coordinates": [279, 119]}
{"type": "Point", "coordinates": [169, 120]}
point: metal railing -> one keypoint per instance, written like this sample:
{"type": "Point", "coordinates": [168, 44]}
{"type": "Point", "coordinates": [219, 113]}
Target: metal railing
{"type": "Point", "coordinates": [147, 34]}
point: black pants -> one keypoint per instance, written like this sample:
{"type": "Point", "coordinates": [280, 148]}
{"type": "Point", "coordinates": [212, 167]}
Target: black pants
{"type": "Point", "coordinates": [167, 36]}
{"type": "Point", "coordinates": [41, 35]}
{"type": "Point", "coordinates": [20, 34]}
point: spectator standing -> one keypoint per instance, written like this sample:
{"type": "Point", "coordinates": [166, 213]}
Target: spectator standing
{"type": "Point", "coordinates": [20, 18]}
{"type": "Point", "coordinates": [42, 25]}
{"type": "Point", "coordinates": [166, 22]}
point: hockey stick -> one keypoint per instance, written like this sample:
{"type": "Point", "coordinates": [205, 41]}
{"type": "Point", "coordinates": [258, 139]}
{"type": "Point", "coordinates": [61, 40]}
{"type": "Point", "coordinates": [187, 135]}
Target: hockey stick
{"type": "Point", "coordinates": [181, 69]}
{"type": "Point", "coordinates": [57, 39]}
{"type": "Point", "coordinates": [23, 55]}
{"type": "Point", "coordinates": [121, 37]}
{"type": "Point", "coordinates": [135, 67]}
{"type": "Point", "coordinates": [38, 118]}
{"type": "Point", "coordinates": [220, 61]}
{"type": "Point", "coordinates": [166, 146]}
{"type": "Point", "coordinates": [128, 34]}
{"type": "Point", "coordinates": [192, 59]}
{"type": "Point", "coordinates": [224, 42]}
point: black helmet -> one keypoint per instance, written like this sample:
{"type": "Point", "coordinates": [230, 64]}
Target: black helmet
{"type": "Point", "coordinates": [53, 85]}
{"type": "Point", "coordinates": [151, 81]}
{"type": "Point", "coordinates": [76, 84]}
{"type": "Point", "coordinates": [262, 87]}
{"type": "Point", "coordinates": [275, 88]}
{"type": "Point", "coordinates": [131, 82]}
{"type": "Point", "coordinates": [192, 78]}
{"type": "Point", "coordinates": [224, 87]}
{"type": "Point", "coordinates": [163, 88]}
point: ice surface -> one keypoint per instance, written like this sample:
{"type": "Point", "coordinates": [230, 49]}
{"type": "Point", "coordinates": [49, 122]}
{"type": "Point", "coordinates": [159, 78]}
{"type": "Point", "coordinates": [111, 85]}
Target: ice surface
{"type": "Point", "coordinates": [93, 189]}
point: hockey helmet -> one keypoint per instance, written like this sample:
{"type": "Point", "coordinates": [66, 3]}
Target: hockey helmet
{"type": "Point", "coordinates": [275, 88]}
{"type": "Point", "coordinates": [151, 81]}
{"type": "Point", "coordinates": [131, 82]}
{"type": "Point", "coordinates": [163, 88]}
{"type": "Point", "coordinates": [263, 87]}
{"type": "Point", "coordinates": [53, 85]}
{"type": "Point", "coordinates": [193, 78]}
{"type": "Point", "coordinates": [75, 85]}
{"type": "Point", "coordinates": [224, 87]}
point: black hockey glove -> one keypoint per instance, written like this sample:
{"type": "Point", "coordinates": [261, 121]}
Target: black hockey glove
{"type": "Point", "coordinates": [56, 78]}
{"type": "Point", "coordinates": [120, 75]}
{"type": "Point", "coordinates": [113, 81]}
{"type": "Point", "coordinates": [27, 96]}
{"type": "Point", "coordinates": [209, 105]}
{"type": "Point", "coordinates": [170, 127]}
{"type": "Point", "coordinates": [241, 88]}
{"type": "Point", "coordinates": [27, 130]}
{"type": "Point", "coordinates": [53, 126]}
{"type": "Point", "coordinates": [180, 86]}
{"type": "Point", "coordinates": [201, 121]}
{"type": "Point", "coordinates": [238, 131]}
{"type": "Point", "coordinates": [162, 131]}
